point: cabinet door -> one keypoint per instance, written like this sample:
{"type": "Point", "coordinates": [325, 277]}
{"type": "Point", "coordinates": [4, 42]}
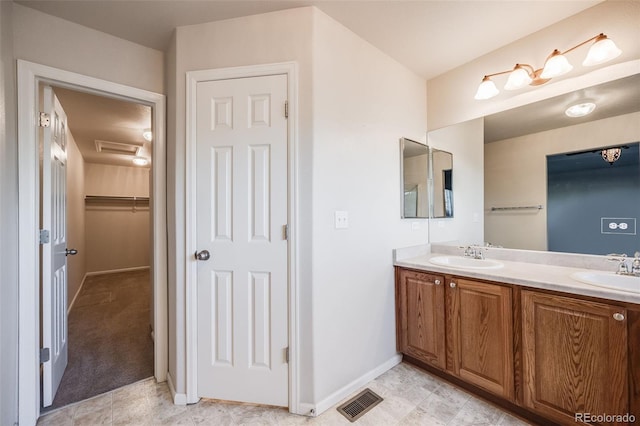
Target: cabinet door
{"type": "Point", "coordinates": [421, 316]}
{"type": "Point", "coordinates": [574, 357]}
{"type": "Point", "coordinates": [481, 328]}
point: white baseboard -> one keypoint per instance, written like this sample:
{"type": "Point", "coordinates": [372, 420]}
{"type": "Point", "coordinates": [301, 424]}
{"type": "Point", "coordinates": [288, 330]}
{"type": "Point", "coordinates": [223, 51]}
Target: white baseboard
{"type": "Point", "coordinates": [115, 271]}
{"type": "Point", "coordinates": [347, 390]}
{"type": "Point", "coordinates": [178, 398]}
{"type": "Point", "coordinates": [75, 296]}
{"type": "Point", "coordinates": [305, 409]}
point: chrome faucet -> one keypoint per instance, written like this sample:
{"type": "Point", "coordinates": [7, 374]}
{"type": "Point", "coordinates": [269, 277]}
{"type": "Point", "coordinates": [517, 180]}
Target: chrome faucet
{"type": "Point", "coordinates": [635, 265]}
{"type": "Point", "coordinates": [473, 251]}
{"type": "Point", "coordinates": [623, 268]}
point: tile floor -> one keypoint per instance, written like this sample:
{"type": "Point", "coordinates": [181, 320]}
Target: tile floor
{"type": "Point", "coordinates": [411, 397]}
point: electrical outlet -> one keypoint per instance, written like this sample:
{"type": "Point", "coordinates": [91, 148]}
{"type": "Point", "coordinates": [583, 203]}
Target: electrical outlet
{"type": "Point", "coordinates": [341, 219]}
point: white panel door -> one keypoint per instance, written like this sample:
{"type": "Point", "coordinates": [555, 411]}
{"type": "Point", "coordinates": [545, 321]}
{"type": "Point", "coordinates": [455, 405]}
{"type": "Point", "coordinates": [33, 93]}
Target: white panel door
{"type": "Point", "coordinates": [241, 190]}
{"type": "Point", "coordinates": [54, 260]}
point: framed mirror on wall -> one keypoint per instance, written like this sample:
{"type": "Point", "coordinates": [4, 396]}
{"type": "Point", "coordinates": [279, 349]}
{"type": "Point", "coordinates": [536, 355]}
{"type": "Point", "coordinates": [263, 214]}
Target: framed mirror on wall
{"type": "Point", "coordinates": [426, 181]}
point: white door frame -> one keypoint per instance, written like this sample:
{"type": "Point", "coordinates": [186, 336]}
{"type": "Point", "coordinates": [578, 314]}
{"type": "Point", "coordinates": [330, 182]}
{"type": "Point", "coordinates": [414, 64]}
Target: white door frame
{"type": "Point", "coordinates": [193, 78]}
{"type": "Point", "coordinates": [30, 75]}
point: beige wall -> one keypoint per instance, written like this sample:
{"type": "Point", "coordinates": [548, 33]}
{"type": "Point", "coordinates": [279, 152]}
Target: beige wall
{"type": "Point", "coordinates": [516, 175]}
{"type": "Point", "coordinates": [363, 102]}
{"type": "Point", "coordinates": [465, 142]}
{"type": "Point", "coordinates": [8, 224]}
{"type": "Point", "coordinates": [76, 265]}
{"type": "Point", "coordinates": [47, 40]}
{"type": "Point", "coordinates": [117, 235]}
{"type": "Point", "coordinates": [450, 96]}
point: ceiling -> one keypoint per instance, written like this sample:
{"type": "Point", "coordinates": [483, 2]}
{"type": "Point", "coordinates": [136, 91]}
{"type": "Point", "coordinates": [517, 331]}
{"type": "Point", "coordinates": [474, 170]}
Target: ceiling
{"type": "Point", "coordinates": [418, 34]}
{"type": "Point", "coordinates": [612, 98]}
{"type": "Point", "coordinates": [114, 125]}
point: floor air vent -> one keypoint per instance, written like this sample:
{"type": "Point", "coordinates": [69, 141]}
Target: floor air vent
{"type": "Point", "coordinates": [359, 405]}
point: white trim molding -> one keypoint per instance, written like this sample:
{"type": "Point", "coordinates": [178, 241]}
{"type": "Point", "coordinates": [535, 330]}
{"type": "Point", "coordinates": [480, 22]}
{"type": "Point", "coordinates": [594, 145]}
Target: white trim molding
{"type": "Point", "coordinates": [30, 75]}
{"type": "Point", "coordinates": [290, 69]}
{"type": "Point", "coordinates": [348, 389]}
{"type": "Point", "coordinates": [178, 398]}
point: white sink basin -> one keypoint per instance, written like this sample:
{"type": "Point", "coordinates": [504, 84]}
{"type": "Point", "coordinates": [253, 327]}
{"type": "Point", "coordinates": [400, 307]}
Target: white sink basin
{"type": "Point", "coordinates": [608, 280]}
{"type": "Point", "coordinates": [465, 262]}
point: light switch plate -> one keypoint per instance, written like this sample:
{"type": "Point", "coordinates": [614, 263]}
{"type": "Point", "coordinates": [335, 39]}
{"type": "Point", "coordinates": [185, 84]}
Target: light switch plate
{"type": "Point", "coordinates": [341, 219]}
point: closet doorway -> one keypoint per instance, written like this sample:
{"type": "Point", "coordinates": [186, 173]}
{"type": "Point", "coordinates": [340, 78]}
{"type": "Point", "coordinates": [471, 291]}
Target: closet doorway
{"type": "Point", "coordinates": [108, 146]}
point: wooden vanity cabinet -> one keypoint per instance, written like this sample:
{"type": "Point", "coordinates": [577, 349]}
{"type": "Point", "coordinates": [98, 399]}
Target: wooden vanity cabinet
{"type": "Point", "coordinates": [475, 341]}
{"type": "Point", "coordinates": [574, 356]}
{"type": "Point", "coordinates": [544, 355]}
{"type": "Point", "coordinates": [480, 332]}
{"type": "Point", "coordinates": [420, 316]}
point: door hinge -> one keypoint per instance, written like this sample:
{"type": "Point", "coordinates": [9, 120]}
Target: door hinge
{"type": "Point", "coordinates": [44, 120]}
{"type": "Point", "coordinates": [45, 355]}
{"type": "Point", "coordinates": [44, 236]}
{"type": "Point", "coordinates": [286, 109]}
{"type": "Point", "coordinates": [286, 354]}
{"type": "Point", "coordinates": [285, 231]}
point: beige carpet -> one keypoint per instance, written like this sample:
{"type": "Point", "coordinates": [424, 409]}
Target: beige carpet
{"type": "Point", "coordinates": [109, 336]}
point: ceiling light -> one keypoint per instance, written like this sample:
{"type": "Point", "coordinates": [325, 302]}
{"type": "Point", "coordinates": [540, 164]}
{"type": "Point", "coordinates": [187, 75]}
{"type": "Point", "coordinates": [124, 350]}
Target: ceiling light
{"type": "Point", "coordinates": [611, 155]}
{"type": "Point", "coordinates": [487, 89]}
{"type": "Point", "coordinates": [147, 135]}
{"type": "Point", "coordinates": [602, 50]}
{"type": "Point", "coordinates": [556, 65]}
{"type": "Point", "coordinates": [519, 77]}
{"type": "Point", "coordinates": [581, 109]}
{"type": "Point", "coordinates": [140, 161]}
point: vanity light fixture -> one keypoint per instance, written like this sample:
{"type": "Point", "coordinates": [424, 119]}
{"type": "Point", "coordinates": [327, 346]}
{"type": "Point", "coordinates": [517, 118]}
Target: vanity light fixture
{"type": "Point", "coordinates": [147, 135]}
{"type": "Point", "coordinates": [580, 110]}
{"type": "Point", "coordinates": [602, 50]}
{"type": "Point", "coordinates": [611, 155]}
{"type": "Point", "coordinates": [140, 161]}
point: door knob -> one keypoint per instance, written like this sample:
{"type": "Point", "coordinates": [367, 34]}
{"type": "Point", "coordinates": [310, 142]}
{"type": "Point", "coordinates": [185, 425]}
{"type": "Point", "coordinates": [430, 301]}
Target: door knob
{"type": "Point", "coordinates": [618, 316]}
{"type": "Point", "coordinates": [71, 252]}
{"type": "Point", "coordinates": [437, 282]}
{"type": "Point", "coordinates": [452, 284]}
{"type": "Point", "coordinates": [202, 255]}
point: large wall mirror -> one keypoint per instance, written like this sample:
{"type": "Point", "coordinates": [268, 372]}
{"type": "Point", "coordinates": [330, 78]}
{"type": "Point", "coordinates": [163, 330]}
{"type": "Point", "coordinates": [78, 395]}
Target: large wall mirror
{"type": "Point", "coordinates": [414, 170]}
{"type": "Point", "coordinates": [547, 185]}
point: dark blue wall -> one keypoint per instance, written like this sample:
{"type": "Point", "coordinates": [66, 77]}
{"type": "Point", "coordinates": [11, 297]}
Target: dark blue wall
{"type": "Point", "coordinates": [582, 189]}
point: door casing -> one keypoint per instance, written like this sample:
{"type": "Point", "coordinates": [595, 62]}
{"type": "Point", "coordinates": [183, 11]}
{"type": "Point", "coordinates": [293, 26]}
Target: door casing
{"type": "Point", "coordinates": [192, 79]}
{"type": "Point", "coordinates": [30, 75]}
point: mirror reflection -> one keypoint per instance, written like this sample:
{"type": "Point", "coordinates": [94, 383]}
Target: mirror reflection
{"type": "Point", "coordinates": [414, 163]}
{"type": "Point", "coordinates": [528, 207]}
{"type": "Point", "coordinates": [442, 179]}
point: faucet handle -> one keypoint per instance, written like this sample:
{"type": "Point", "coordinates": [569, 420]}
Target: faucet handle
{"type": "Point", "coordinates": [615, 256]}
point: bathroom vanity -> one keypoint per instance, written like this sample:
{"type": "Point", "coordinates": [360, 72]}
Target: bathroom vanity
{"type": "Point", "coordinates": [523, 334]}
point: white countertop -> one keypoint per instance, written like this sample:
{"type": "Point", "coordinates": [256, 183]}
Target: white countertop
{"type": "Point", "coordinates": [534, 275]}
